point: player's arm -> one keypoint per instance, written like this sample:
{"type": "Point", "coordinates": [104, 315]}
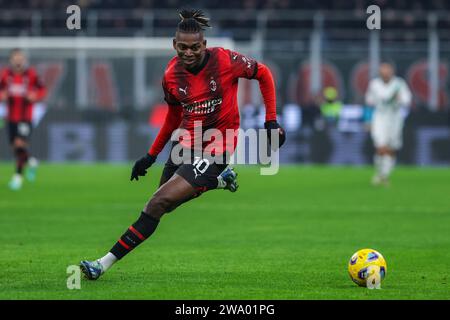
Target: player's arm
{"type": "Point", "coordinates": [371, 95]}
{"type": "Point", "coordinates": [38, 91]}
{"type": "Point", "coordinates": [3, 87]}
{"type": "Point", "coordinates": [268, 92]}
{"type": "Point", "coordinates": [171, 123]}
{"type": "Point", "coordinates": [244, 67]}
{"type": "Point", "coordinates": [404, 96]}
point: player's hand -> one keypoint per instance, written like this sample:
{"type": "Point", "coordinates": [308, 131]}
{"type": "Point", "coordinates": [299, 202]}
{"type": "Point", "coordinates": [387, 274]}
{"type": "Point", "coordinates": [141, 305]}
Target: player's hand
{"type": "Point", "coordinates": [141, 166]}
{"type": "Point", "coordinates": [3, 95]}
{"type": "Point", "coordinates": [273, 124]}
{"type": "Point", "coordinates": [32, 97]}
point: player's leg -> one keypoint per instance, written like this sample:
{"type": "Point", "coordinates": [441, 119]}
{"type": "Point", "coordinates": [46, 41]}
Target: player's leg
{"type": "Point", "coordinates": [94, 269]}
{"type": "Point", "coordinates": [226, 180]}
{"type": "Point", "coordinates": [377, 161]}
{"type": "Point", "coordinates": [19, 134]}
{"type": "Point", "coordinates": [169, 170]}
{"type": "Point", "coordinates": [380, 140]}
{"type": "Point", "coordinates": [21, 157]}
{"type": "Point", "coordinates": [25, 130]}
{"type": "Point", "coordinates": [31, 170]}
{"type": "Point", "coordinates": [170, 195]}
{"type": "Point", "coordinates": [394, 144]}
{"type": "Point", "coordinates": [20, 150]}
{"type": "Point", "coordinates": [383, 166]}
{"type": "Point", "coordinates": [389, 159]}
{"type": "Point", "coordinates": [188, 182]}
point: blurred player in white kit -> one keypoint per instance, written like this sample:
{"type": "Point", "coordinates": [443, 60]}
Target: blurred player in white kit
{"type": "Point", "coordinates": [388, 94]}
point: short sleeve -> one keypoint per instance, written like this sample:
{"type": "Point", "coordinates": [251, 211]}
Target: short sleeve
{"type": "Point", "coordinates": [168, 97]}
{"type": "Point", "coordinates": [243, 66]}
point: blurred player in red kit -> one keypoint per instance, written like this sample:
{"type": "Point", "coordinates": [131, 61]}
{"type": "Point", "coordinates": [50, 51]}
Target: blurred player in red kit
{"type": "Point", "coordinates": [20, 89]}
{"type": "Point", "coordinates": [200, 86]}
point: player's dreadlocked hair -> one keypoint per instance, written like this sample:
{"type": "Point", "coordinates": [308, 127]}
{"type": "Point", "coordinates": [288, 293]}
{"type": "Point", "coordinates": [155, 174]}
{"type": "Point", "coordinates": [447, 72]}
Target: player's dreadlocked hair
{"type": "Point", "coordinates": [192, 21]}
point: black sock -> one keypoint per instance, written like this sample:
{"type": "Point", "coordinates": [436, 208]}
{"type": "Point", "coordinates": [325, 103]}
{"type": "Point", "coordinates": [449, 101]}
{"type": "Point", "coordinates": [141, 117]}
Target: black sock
{"type": "Point", "coordinates": [21, 159]}
{"type": "Point", "coordinates": [135, 235]}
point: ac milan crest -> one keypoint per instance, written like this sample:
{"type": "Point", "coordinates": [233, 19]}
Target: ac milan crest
{"type": "Point", "coordinates": [213, 85]}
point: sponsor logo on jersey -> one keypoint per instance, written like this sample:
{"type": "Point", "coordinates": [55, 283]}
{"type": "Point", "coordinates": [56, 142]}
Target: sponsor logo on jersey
{"type": "Point", "coordinates": [16, 89]}
{"type": "Point", "coordinates": [203, 107]}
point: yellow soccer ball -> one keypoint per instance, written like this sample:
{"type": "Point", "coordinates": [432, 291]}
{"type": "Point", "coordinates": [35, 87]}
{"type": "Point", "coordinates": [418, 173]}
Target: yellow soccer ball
{"type": "Point", "coordinates": [367, 265]}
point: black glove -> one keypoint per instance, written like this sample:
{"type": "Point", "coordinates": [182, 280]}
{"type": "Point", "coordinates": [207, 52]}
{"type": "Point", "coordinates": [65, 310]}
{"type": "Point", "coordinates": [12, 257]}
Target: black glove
{"type": "Point", "coordinates": [273, 124]}
{"type": "Point", "coordinates": [141, 166]}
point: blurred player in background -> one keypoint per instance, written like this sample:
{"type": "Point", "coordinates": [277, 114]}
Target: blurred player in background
{"type": "Point", "coordinates": [200, 84]}
{"type": "Point", "coordinates": [20, 89]}
{"type": "Point", "coordinates": [388, 95]}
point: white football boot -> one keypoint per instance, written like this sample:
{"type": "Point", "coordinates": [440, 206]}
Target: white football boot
{"type": "Point", "coordinates": [31, 170]}
{"type": "Point", "coordinates": [16, 182]}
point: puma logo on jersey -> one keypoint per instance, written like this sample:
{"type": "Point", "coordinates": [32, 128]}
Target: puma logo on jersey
{"type": "Point", "coordinates": [183, 90]}
{"type": "Point", "coordinates": [196, 173]}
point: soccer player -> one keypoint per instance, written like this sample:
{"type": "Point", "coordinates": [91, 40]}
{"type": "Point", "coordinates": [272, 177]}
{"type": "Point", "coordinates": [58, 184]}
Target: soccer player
{"type": "Point", "coordinates": [388, 94]}
{"type": "Point", "coordinates": [20, 88]}
{"type": "Point", "coordinates": [200, 85]}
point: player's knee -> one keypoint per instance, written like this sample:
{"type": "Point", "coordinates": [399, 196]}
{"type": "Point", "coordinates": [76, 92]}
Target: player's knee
{"type": "Point", "coordinates": [381, 150]}
{"type": "Point", "coordinates": [20, 151]}
{"type": "Point", "coordinates": [19, 143]}
{"type": "Point", "coordinates": [158, 206]}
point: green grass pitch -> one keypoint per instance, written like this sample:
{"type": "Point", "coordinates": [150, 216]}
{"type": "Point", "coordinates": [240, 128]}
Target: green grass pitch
{"type": "Point", "coordinates": [287, 236]}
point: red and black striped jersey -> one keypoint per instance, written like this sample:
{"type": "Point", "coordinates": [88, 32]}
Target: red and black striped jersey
{"type": "Point", "coordinates": [208, 95]}
{"type": "Point", "coordinates": [17, 87]}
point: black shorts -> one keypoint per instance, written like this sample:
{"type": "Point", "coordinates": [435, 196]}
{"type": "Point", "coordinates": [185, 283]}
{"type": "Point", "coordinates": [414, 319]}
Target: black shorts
{"type": "Point", "coordinates": [19, 129]}
{"type": "Point", "coordinates": [201, 172]}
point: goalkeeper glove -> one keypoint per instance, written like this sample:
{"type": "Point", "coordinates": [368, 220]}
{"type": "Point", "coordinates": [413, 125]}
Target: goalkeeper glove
{"type": "Point", "coordinates": [273, 124]}
{"type": "Point", "coordinates": [141, 166]}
